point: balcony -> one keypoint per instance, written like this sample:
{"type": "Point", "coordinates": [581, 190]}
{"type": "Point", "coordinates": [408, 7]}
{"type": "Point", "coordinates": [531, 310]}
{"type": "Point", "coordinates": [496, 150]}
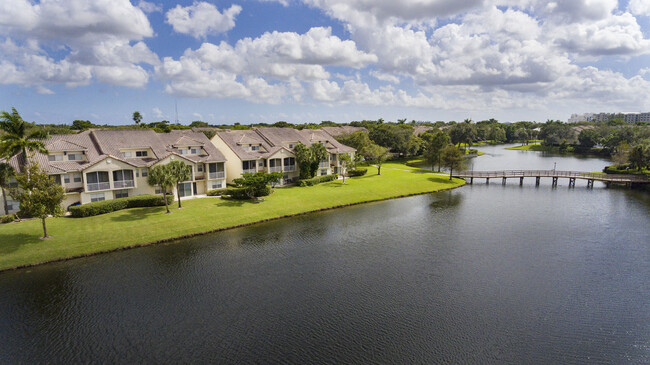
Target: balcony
{"type": "Point", "coordinates": [99, 186]}
{"type": "Point", "coordinates": [217, 175]}
{"type": "Point", "coordinates": [275, 169]}
{"type": "Point", "coordinates": [250, 171]}
{"type": "Point", "coordinates": [199, 177]}
{"type": "Point", "coordinates": [289, 168]}
{"type": "Point", "coordinates": [121, 184]}
{"type": "Point", "coordinates": [324, 165]}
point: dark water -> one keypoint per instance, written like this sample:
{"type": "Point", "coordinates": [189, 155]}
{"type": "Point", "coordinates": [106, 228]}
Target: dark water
{"type": "Point", "coordinates": [496, 274]}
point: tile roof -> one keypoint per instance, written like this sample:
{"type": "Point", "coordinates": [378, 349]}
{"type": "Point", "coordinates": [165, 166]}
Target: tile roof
{"type": "Point", "coordinates": [98, 145]}
{"type": "Point", "coordinates": [272, 140]}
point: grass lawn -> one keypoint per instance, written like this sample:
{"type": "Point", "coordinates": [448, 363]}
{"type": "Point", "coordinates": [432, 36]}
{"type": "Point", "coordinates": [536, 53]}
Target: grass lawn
{"type": "Point", "coordinates": [72, 237]}
{"type": "Point", "coordinates": [531, 147]}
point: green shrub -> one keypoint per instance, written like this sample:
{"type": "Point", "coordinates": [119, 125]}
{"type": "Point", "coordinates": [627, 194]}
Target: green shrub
{"type": "Point", "coordinates": [357, 172]}
{"type": "Point", "coordinates": [217, 192]}
{"type": "Point", "coordinates": [240, 193]}
{"type": "Point", "coordinates": [7, 218]}
{"type": "Point", "coordinates": [107, 206]}
{"type": "Point", "coordinates": [317, 180]}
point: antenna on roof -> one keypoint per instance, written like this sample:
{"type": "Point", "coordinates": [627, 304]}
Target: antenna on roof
{"type": "Point", "coordinates": [176, 108]}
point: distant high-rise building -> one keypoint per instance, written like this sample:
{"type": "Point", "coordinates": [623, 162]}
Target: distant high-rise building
{"type": "Point", "coordinates": [604, 117]}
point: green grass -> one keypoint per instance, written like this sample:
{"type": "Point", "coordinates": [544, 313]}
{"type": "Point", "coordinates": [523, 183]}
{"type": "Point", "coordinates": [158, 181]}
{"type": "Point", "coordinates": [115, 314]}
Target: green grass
{"type": "Point", "coordinates": [531, 147]}
{"type": "Point", "coordinates": [72, 237]}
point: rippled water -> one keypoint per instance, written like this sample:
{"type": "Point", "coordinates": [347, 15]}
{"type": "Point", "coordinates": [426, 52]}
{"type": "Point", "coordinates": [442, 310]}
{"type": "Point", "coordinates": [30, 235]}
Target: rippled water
{"type": "Point", "coordinates": [485, 273]}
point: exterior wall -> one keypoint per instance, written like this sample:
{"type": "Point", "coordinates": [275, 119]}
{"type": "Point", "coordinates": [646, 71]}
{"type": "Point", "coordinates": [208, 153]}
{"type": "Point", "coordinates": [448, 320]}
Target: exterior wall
{"type": "Point", "coordinates": [233, 164]}
{"type": "Point", "coordinates": [288, 174]}
{"type": "Point", "coordinates": [70, 199]}
{"type": "Point", "coordinates": [109, 167]}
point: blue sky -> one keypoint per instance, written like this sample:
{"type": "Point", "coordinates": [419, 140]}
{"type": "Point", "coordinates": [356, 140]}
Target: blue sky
{"type": "Point", "coordinates": [311, 60]}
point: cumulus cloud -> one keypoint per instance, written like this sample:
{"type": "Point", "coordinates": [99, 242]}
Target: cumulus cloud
{"type": "Point", "coordinates": [201, 19]}
{"type": "Point", "coordinates": [149, 7]}
{"type": "Point", "coordinates": [639, 7]}
{"type": "Point", "coordinates": [281, 56]}
{"type": "Point", "coordinates": [98, 36]}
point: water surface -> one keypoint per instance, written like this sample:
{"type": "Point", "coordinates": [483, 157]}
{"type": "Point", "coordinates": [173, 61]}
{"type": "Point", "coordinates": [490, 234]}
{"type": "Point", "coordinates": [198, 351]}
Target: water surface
{"type": "Point", "coordinates": [485, 273]}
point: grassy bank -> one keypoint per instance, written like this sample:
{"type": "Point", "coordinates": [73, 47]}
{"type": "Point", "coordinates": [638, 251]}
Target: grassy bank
{"type": "Point", "coordinates": [534, 147]}
{"type": "Point", "coordinates": [75, 237]}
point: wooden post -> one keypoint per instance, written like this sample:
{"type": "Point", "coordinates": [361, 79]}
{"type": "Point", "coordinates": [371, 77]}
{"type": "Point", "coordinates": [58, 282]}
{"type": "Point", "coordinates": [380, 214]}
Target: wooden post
{"type": "Point", "coordinates": [572, 182]}
{"type": "Point", "coordinates": [521, 181]}
{"type": "Point", "coordinates": [537, 181]}
{"type": "Point", "coordinates": [554, 184]}
{"type": "Point", "coordinates": [503, 182]}
{"type": "Point", "coordinates": [471, 180]}
{"type": "Point", "coordinates": [590, 184]}
{"type": "Point", "coordinates": [487, 180]}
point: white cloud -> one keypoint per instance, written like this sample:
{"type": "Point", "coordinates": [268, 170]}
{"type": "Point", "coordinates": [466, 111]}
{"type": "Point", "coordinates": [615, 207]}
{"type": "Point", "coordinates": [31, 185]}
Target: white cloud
{"type": "Point", "coordinates": [149, 7]}
{"type": "Point", "coordinates": [95, 38]}
{"type": "Point", "coordinates": [639, 7]}
{"type": "Point", "coordinates": [201, 19]}
{"type": "Point", "coordinates": [158, 113]}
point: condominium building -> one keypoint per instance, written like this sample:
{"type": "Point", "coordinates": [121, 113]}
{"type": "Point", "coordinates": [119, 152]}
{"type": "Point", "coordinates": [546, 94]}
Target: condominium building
{"type": "Point", "coordinates": [97, 165]}
{"type": "Point", "coordinates": [604, 117]}
{"type": "Point", "coordinates": [271, 150]}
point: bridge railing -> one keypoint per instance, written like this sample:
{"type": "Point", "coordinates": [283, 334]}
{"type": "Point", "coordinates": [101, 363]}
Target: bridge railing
{"type": "Point", "coordinates": [554, 173]}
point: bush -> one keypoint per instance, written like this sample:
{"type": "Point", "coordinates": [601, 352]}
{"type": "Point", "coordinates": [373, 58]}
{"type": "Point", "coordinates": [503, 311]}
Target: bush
{"type": "Point", "coordinates": [107, 206]}
{"type": "Point", "coordinates": [7, 218]}
{"type": "Point", "coordinates": [240, 193]}
{"type": "Point", "coordinates": [357, 172]}
{"type": "Point", "coordinates": [317, 180]}
{"type": "Point", "coordinates": [217, 192]}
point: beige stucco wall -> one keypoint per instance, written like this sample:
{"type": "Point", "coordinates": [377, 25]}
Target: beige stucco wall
{"type": "Point", "coordinates": [233, 163]}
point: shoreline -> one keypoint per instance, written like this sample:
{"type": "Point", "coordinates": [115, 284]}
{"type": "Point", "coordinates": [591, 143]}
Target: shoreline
{"type": "Point", "coordinates": [202, 233]}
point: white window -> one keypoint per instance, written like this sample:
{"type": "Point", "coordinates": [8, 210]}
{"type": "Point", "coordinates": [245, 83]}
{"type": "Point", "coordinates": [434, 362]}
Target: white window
{"type": "Point", "coordinates": [183, 151]}
{"type": "Point", "coordinates": [255, 148]}
{"type": "Point", "coordinates": [55, 157]}
{"type": "Point", "coordinates": [140, 153]}
{"type": "Point", "coordinates": [216, 185]}
{"type": "Point", "coordinates": [13, 204]}
{"type": "Point", "coordinates": [261, 163]}
{"type": "Point", "coordinates": [66, 179]}
{"type": "Point", "coordinates": [97, 197]}
{"type": "Point", "coordinates": [195, 151]}
{"type": "Point", "coordinates": [76, 177]}
{"type": "Point", "coordinates": [290, 145]}
{"type": "Point", "coordinates": [121, 194]}
{"type": "Point", "coordinates": [137, 173]}
{"type": "Point", "coordinates": [127, 154]}
{"type": "Point", "coordinates": [199, 167]}
{"type": "Point", "coordinates": [145, 172]}
{"type": "Point", "coordinates": [323, 172]}
{"type": "Point", "coordinates": [74, 157]}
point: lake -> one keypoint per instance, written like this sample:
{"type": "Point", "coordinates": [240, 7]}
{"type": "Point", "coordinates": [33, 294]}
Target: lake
{"type": "Point", "coordinates": [480, 274]}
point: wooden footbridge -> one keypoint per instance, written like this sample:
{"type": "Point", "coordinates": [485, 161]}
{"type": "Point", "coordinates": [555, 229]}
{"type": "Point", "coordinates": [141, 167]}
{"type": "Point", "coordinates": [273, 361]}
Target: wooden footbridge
{"type": "Point", "coordinates": [627, 180]}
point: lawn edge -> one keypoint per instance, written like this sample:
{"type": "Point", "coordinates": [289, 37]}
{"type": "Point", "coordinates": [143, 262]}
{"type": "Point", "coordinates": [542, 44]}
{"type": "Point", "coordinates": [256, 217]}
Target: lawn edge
{"type": "Point", "coordinates": [191, 235]}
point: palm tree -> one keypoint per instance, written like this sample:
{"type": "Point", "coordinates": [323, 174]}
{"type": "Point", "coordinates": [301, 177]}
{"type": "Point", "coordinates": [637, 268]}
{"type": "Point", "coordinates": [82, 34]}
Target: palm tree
{"type": "Point", "coordinates": [16, 138]}
{"type": "Point", "coordinates": [180, 172]}
{"type": "Point", "coordinates": [161, 175]}
{"type": "Point", "coordinates": [6, 173]}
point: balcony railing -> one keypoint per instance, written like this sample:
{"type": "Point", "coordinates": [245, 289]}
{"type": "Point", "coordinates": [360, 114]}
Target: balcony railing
{"type": "Point", "coordinates": [288, 168]}
{"type": "Point", "coordinates": [250, 171]}
{"type": "Point", "coordinates": [99, 186]}
{"type": "Point", "coordinates": [199, 177]}
{"type": "Point", "coordinates": [121, 184]}
{"type": "Point", "coordinates": [275, 169]}
{"type": "Point", "coordinates": [217, 175]}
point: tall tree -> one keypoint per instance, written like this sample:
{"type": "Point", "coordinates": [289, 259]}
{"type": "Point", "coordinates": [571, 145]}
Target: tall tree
{"type": "Point", "coordinates": [180, 172]}
{"type": "Point", "coordinates": [6, 173]}
{"type": "Point", "coordinates": [319, 154]}
{"type": "Point", "coordinates": [256, 185]}
{"type": "Point", "coordinates": [161, 176]}
{"type": "Point", "coordinates": [18, 139]}
{"type": "Point", "coordinates": [38, 194]}
{"type": "Point", "coordinates": [453, 158]}
{"type": "Point", "coordinates": [376, 154]}
{"type": "Point", "coordinates": [435, 142]}
{"type": "Point", "coordinates": [640, 156]}
{"type": "Point", "coordinates": [303, 159]}
{"type": "Point", "coordinates": [137, 117]}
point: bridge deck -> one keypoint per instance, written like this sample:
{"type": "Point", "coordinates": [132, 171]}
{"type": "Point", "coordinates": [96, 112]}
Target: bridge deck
{"type": "Point", "coordinates": [616, 178]}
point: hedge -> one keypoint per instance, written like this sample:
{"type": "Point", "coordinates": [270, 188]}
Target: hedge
{"type": "Point", "coordinates": [240, 193]}
{"type": "Point", "coordinates": [317, 180]}
{"type": "Point", "coordinates": [217, 192]}
{"type": "Point", "coordinates": [7, 218]}
{"type": "Point", "coordinates": [107, 206]}
{"type": "Point", "coordinates": [357, 172]}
